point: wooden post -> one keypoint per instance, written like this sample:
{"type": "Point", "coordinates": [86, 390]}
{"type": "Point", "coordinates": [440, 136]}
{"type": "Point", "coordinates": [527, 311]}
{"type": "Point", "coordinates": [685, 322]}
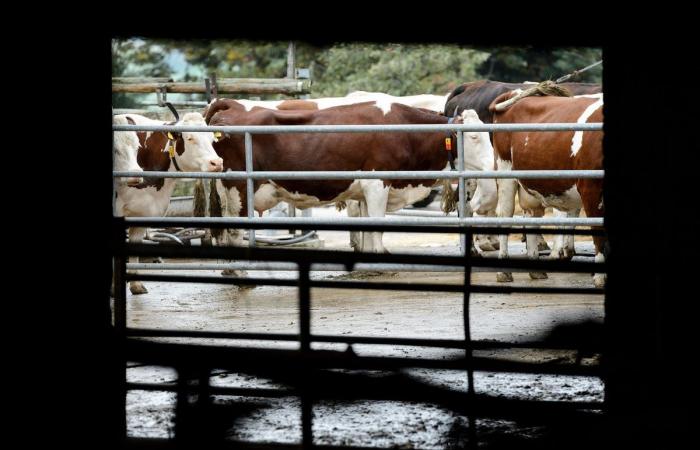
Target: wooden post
{"type": "Point", "coordinates": [225, 86]}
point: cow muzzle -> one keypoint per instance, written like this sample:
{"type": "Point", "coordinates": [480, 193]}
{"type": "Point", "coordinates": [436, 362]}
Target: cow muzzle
{"type": "Point", "coordinates": [216, 165]}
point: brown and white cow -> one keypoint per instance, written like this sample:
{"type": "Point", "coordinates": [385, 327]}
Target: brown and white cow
{"type": "Point", "coordinates": [478, 95]}
{"type": "Point", "coordinates": [563, 150]}
{"type": "Point", "coordinates": [331, 152]}
{"type": "Point", "coordinates": [434, 103]}
{"type": "Point", "coordinates": [150, 198]}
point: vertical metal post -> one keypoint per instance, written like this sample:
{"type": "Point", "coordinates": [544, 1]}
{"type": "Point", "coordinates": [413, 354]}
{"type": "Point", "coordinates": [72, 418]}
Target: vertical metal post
{"type": "Point", "coordinates": [305, 346]}
{"type": "Point", "coordinates": [304, 306]}
{"type": "Point", "coordinates": [291, 212]}
{"type": "Point", "coordinates": [250, 191]}
{"type": "Point", "coordinates": [291, 59]}
{"type": "Point", "coordinates": [120, 259]}
{"type": "Point", "coordinates": [466, 236]}
{"type": "Point", "coordinates": [120, 317]}
{"type": "Point", "coordinates": [461, 188]}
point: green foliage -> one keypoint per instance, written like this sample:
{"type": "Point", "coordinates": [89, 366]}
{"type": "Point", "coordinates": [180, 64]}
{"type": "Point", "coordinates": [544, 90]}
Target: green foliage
{"type": "Point", "coordinates": [395, 69]}
{"type": "Point", "coordinates": [537, 64]}
{"type": "Point", "coordinates": [136, 57]}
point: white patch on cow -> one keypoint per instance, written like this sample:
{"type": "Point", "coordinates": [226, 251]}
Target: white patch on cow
{"type": "Point", "coordinates": [502, 164]}
{"type": "Point", "coordinates": [266, 197]}
{"type": "Point", "coordinates": [577, 140]}
{"type": "Point", "coordinates": [234, 204]}
{"type": "Point", "coordinates": [250, 104]}
{"type": "Point", "coordinates": [600, 205]}
{"type": "Point", "coordinates": [384, 105]}
{"type": "Point", "coordinates": [567, 201]}
{"type": "Point", "coordinates": [398, 198]}
{"type": "Point", "coordinates": [126, 147]}
{"type": "Point", "coordinates": [527, 138]}
{"type": "Point", "coordinates": [598, 95]}
{"type": "Point", "coordinates": [599, 278]}
{"type": "Point", "coordinates": [144, 202]}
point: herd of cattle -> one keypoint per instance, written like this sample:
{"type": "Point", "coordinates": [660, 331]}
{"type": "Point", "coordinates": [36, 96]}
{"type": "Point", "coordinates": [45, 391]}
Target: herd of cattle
{"type": "Point", "coordinates": [470, 103]}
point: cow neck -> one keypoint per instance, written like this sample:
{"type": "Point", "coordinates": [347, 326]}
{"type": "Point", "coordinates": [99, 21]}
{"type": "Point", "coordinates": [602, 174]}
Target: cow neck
{"type": "Point", "coordinates": [152, 158]}
{"type": "Point", "coordinates": [450, 142]}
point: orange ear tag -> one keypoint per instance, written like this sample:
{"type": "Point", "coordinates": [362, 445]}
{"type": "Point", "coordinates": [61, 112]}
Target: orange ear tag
{"type": "Point", "coordinates": [448, 144]}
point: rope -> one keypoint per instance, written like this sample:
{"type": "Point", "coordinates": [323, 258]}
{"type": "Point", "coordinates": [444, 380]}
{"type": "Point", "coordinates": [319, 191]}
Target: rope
{"type": "Point", "coordinates": [576, 73]}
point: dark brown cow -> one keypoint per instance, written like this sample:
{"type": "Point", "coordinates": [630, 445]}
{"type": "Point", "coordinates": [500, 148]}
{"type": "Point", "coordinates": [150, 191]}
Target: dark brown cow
{"type": "Point", "coordinates": [331, 152]}
{"type": "Point", "coordinates": [478, 95]}
{"type": "Point", "coordinates": [564, 150]}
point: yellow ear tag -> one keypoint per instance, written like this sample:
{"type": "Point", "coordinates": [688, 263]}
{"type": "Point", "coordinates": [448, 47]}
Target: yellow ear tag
{"type": "Point", "coordinates": [217, 135]}
{"type": "Point", "coordinates": [170, 136]}
{"type": "Point", "coordinates": [448, 144]}
{"type": "Point", "coordinates": [171, 150]}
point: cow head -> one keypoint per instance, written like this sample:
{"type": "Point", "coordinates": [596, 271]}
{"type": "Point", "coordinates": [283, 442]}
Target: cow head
{"type": "Point", "coordinates": [478, 151]}
{"type": "Point", "coordinates": [195, 152]}
{"type": "Point", "coordinates": [126, 148]}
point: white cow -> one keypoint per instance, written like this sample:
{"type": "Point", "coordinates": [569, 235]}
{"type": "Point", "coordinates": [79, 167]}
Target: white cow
{"type": "Point", "coordinates": [193, 153]}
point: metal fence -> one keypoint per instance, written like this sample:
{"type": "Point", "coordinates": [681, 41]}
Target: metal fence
{"type": "Point", "coordinates": [305, 369]}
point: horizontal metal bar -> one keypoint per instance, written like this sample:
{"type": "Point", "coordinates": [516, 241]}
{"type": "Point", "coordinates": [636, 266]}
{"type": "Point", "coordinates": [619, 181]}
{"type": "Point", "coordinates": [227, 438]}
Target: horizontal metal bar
{"type": "Point", "coordinates": [358, 174]}
{"type": "Point", "coordinates": [215, 390]}
{"type": "Point", "coordinates": [292, 267]}
{"type": "Point", "coordinates": [404, 128]}
{"type": "Point", "coordinates": [216, 222]}
{"type": "Point", "coordinates": [350, 258]}
{"type": "Point", "coordinates": [373, 340]}
{"type": "Point", "coordinates": [245, 222]}
{"type": "Point", "coordinates": [340, 284]}
{"type": "Point", "coordinates": [251, 358]}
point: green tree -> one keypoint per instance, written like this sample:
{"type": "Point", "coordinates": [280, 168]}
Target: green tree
{"type": "Point", "coordinates": [397, 69]}
{"type": "Point", "coordinates": [518, 64]}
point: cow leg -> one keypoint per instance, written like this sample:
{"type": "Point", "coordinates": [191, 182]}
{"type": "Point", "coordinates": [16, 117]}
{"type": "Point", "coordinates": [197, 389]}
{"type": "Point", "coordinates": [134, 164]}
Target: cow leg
{"type": "Point", "coordinates": [483, 203]}
{"type": "Point", "coordinates": [353, 207]}
{"type": "Point", "coordinates": [531, 244]}
{"type": "Point", "coordinates": [599, 278]}
{"type": "Point", "coordinates": [529, 201]}
{"type": "Point", "coordinates": [563, 247]}
{"type": "Point", "coordinates": [136, 235]}
{"type": "Point", "coordinates": [202, 192]}
{"type": "Point", "coordinates": [505, 208]}
{"type": "Point", "coordinates": [591, 192]}
{"type": "Point", "coordinates": [376, 197]}
{"type": "Point", "coordinates": [233, 206]}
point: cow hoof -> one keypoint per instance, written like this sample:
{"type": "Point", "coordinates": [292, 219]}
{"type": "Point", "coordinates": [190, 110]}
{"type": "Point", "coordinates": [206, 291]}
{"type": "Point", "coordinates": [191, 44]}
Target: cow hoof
{"type": "Point", "coordinates": [138, 288]}
{"type": "Point", "coordinates": [599, 280]}
{"type": "Point", "coordinates": [486, 246]}
{"type": "Point", "coordinates": [504, 277]}
{"type": "Point", "coordinates": [538, 275]}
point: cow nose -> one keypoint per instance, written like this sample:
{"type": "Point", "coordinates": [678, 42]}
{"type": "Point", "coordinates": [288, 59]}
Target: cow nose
{"type": "Point", "coordinates": [216, 165]}
{"type": "Point", "coordinates": [133, 181]}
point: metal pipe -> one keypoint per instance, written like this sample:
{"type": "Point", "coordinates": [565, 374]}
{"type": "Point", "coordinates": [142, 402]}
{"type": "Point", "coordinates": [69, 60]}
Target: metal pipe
{"type": "Point", "coordinates": [250, 189]}
{"type": "Point", "coordinates": [378, 174]}
{"type": "Point", "coordinates": [461, 189]}
{"type": "Point", "coordinates": [412, 212]}
{"type": "Point", "coordinates": [313, 221]}
{"type": "Point", "coordinates": [315, 267]}
{"type": "Point", "coordinates": [403, 128]}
